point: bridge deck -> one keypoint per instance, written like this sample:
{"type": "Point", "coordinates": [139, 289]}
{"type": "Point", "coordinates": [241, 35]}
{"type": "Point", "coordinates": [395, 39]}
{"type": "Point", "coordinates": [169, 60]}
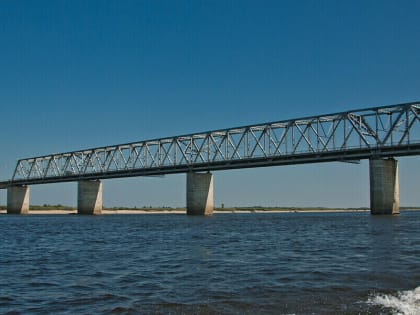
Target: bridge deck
{"type": "Point", "coordinates": [379, 132]}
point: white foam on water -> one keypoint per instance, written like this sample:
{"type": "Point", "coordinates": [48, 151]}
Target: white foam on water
{"type": "Point", "coordinates": [402, 303]}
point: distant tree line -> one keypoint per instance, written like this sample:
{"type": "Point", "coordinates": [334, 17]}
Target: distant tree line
{"type": "Point", "coordinates": [223, 208]}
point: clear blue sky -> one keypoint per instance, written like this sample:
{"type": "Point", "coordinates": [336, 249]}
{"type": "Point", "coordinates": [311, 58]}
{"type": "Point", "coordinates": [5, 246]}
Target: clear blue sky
{"type": "Point", "coordinates": [79, 74]}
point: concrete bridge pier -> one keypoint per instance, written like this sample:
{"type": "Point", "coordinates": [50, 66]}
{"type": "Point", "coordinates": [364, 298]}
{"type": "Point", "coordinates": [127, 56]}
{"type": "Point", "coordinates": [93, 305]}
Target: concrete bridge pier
{"type": "Point", "coordinates": [384, 187]}
{"type": "Point", "coordinates": [199, 193]}
{"type": "Point", "coordinates": [89, 197]}
{"type": "Point", "coordinates": [18, 200]}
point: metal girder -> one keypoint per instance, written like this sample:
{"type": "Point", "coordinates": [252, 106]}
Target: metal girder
{"type": "Point", "coordinates": [380, 131]}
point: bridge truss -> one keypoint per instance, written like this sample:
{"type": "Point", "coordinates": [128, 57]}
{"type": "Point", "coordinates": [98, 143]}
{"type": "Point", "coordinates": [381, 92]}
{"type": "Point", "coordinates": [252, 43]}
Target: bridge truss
{"type": "Point", "coordinates": [347, 136]}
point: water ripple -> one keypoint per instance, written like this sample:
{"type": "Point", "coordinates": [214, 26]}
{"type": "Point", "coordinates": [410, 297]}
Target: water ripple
{"type": "Point", "coordinates": [226, 264]}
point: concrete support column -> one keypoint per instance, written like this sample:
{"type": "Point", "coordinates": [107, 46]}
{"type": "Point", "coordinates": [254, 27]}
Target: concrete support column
{"type": "Point", "coordinates": [384, 190]}
{"type": "Point", "coordinates": [199, 193]}
{"type": "Point", "coordinates": [89, 197]}
{"type": "Point", "coordinates": [18, 200]}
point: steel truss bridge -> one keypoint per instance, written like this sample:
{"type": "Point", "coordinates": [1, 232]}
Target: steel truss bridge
{"type": "Point", "coordinates": [377, 132]}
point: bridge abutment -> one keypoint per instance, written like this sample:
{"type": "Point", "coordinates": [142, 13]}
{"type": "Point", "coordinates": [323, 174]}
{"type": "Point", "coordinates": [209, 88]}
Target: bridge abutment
{"type": "Point", "coordinates": [89, 197]}
{"type": "Point", "coordinates": [199, 193]}
{"type": "Point", "coordinates": [384, 187]}
{"type": "Point", "coordinates": [18, 200]}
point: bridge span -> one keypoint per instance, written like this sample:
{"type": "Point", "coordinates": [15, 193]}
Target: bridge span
{"type": "Point", "coordinates": [379, 134]}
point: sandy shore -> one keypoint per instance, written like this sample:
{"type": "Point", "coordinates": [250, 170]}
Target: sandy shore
{"type": "Point", "coordinates": [183, 211]}
{"type": "Point", "coordinates": [103, 211]}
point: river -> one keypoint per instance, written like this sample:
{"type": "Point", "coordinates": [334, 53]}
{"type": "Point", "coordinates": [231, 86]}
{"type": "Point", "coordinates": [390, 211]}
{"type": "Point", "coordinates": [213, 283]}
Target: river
{"type": "Point", "coordinates": [250, 263]}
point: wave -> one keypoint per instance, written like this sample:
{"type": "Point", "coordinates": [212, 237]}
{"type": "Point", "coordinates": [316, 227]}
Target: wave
{"type": "Point", "coordinates": [401, 303]}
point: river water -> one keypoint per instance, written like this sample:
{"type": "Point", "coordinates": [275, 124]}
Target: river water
{"type": "Point", "coordinates": [270, 263]}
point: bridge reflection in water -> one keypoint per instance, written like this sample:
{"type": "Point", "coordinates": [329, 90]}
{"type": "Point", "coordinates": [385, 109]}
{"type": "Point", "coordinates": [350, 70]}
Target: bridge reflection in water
{"type": "Point", "coordinates": [378, 134]}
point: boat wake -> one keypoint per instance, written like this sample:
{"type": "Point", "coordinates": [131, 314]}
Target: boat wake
{"type": "Point", "coordinates": [401, 303]}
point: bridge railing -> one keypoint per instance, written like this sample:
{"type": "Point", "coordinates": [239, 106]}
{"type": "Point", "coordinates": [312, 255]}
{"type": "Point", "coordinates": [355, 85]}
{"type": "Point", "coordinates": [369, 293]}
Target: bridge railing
{"type": "Point", "coordinates": [365, 129]}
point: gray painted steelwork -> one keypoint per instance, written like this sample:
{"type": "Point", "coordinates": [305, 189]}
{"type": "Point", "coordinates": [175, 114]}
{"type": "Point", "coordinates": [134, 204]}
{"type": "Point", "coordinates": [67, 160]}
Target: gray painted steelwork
{"type": "Point", "coordinates": [386, 131]}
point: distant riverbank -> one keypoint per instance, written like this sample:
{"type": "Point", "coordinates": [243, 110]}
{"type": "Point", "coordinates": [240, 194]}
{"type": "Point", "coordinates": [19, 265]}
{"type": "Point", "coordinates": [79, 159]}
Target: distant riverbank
{"type": "Point", "coordinates": [177, 211]}
{"type": "Point", "coordinates": [60, 209]}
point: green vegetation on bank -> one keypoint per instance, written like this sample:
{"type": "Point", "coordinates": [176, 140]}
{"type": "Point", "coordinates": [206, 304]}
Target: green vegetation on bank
{"type": "Point", "coordinates": [260, 208]}
{"type": "Point", "coordinates": [227, 209]}
{"type": "Point", "coordinates": [150, 208]}
{"type": "Point", "coordinates": [45, 207]}
{"type": "Point", "coordinates": [50, 207]}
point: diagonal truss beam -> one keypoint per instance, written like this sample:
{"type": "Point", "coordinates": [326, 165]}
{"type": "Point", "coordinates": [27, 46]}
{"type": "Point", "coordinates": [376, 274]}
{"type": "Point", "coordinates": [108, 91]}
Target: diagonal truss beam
{"type": "Point", "coordinates": [379, 131]}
